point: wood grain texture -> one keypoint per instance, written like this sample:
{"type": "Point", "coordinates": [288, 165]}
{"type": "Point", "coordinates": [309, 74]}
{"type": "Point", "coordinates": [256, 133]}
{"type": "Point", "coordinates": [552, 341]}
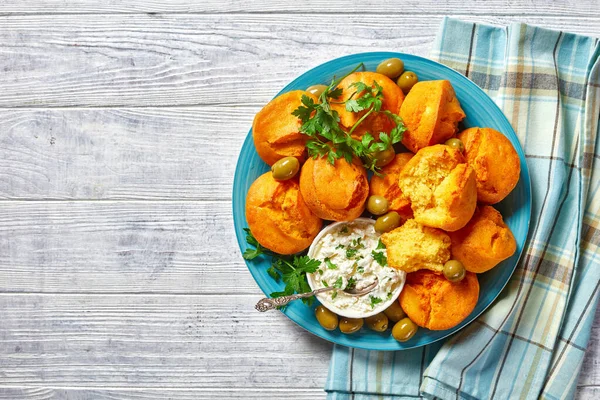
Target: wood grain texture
{"type": "Point", "coordinates": [130, 342]}
{"type": "Point", "coordinates": [139, 153]}
{"type": "Point", "coordinates": [161, 394]}
{"type": "Point", "coordinates": [589, 378]}
{"type": "Point", "coordinates": [137, 289]}
{"type": "Point", "coordinates": [477, 7]}
{"type": "Point", "coordinates": [120, 247]}
{"type": "Point", "coordinates": [158, 60]}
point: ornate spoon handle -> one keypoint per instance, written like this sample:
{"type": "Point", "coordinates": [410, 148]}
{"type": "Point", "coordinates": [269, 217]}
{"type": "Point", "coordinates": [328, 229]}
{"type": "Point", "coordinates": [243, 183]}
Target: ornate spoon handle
{"type": "Point", "coordinates": [267, 304]}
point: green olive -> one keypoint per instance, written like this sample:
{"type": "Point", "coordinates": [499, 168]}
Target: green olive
{"type": "Point", "coordinates": [316, 89]}
{"type": "Point", "coordinates": [377, 205]}
{"type": "Point", "coordinates": [454, 271]}
{"type": "Point", "coordinates": [384, 157]}
{"type": "Point", "coordinates": [350, 325]}
{"type": "Point", "coordinates": [407, 80]}
{"type": "Point", "coordinates": [392, 68]}
{"type": "Point", "coordinates": [455, 144]}
{"type": "Point", "coordinates": [326, 318]}
{"type": "Point", "coordinates": [404, 330]}
{"type": "Point", "coordinates": [378, 322]}
{"type": "Point", "coordinates": [394, 312]}
{"type": "Point", "coordinates": [285, 169]}
{"type": "Point", "coordinates": [387, 222]}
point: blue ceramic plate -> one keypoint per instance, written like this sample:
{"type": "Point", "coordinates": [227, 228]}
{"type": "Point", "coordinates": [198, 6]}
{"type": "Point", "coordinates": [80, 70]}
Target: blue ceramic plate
{"type": "Point", "coordinates": [481, 111]}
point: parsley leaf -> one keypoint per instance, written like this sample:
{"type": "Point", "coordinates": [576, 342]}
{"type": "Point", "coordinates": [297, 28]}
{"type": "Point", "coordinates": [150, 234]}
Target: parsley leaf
{"type": "Point", "coordinates": [380, 245]}
{"type": "Point", "coordinates": [357, 243]}
{"type": "Point", "coordinates": [294, 276]}
{"type": "Point", "coordinates": [306, 264]}
{"type": "Point", "coordinates": [351, 252]}
{"type": "Point", "coordinates": [380, 257]}
{"type": "Point", "coordinates": [351, 283]}
{"type": "Point", "coordinates": [306, 109]}
{"type": "Point", "coordinates": [335, 93]}
{"type": "Point", "coordinates": [330, 140]}
{"type": "Point", "coordinates": [273, 273]}
{"type": "Point", "coordinates": [251, 254]}
{"type": "Point", "coordinates": [334, 294]}
{"type": "Point", "coordinates": [338, 283]}
{"type": "Point", "coordinates": [292, 271]}
{"type": "Point", "coordinates": [352, 106]}
{"type": "Point", "coordinates": [372, 97]}
{"type": "Point", "coordinates": [329, 264]}
{"type": "Point", "coordinates": [374, 301]}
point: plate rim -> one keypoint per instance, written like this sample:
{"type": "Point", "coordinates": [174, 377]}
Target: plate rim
{"type": "Point", "coordinates": [524, 170]}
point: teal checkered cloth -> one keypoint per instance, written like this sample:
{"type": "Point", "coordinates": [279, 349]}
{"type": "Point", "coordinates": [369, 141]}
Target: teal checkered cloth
{"type": "Point", "coordinates": [530, 344]}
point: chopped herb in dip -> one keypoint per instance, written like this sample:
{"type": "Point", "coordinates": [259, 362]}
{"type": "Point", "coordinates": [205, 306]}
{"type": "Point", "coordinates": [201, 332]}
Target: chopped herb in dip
{"type": "Point", "coordinates": [354, 257]}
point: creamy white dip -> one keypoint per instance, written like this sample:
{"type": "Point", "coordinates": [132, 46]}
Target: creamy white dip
{"type": "Point", "coordinates": [350, 256]}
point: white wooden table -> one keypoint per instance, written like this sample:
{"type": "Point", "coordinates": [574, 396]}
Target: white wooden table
{"type": "Point", "coordinates": [120, 125]}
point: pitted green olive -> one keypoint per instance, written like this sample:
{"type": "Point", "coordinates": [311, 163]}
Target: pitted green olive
{"type": "Point", "coordinates": [392, 68]}
{"type": "Point", "coordinates": [407, 80]}
{"type": "Point", "coordinates": [404, 330]}
{"type": "Point", "coordinates": [326, 318]}
{"type": "Point", "coordinates": [394, 312]}
{"type": "Point", "coordinates": [378, 322]}
{"type": "Point", "coordinates": [455, 144]}
{"type": "Point", "coordinates": [285, 169]}
{"type": "Point", "coordinates": [377, 205]}
{"type": "Point", "coordinates": [316, 90]}
{"type": "Point", "coordinates": [350, 325]}
{"type": "Point", "coordinates": [384, 157]}
{"type": "Point", "coordinates": [387, 222]}
{"type": "Point", "coordinates": [454, 271]}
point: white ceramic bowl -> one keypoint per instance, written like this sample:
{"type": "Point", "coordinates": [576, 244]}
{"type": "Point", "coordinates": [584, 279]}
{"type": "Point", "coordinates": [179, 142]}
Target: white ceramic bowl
{"type": "Point", "coordinates": [348, 312]}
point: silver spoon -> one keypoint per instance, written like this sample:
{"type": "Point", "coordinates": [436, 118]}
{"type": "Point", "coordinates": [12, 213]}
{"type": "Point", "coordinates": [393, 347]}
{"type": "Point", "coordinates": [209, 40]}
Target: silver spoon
{"type": "Point", "coordinates": [267, 304]}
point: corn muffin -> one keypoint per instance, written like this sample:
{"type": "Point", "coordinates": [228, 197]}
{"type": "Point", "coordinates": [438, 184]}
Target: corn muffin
{"type": "Point", "coordinates": [387, 186]}
{"type": "Point", "coordinates": [278, 217]}
{"type": "Point", "coordinates": [276, 132]}
{"type": "Point", "coordinates": [376, 122]}
{"type": "Point", "coordinates": [431, 113]}
{"type": "Point", "coordinates": [440, 186]}
{"type": "Point", "coordinates": [412, 247]}
{"type": "Point", "coordinates": [433, 302]}
{"type": "Point", "coordinates": [334, 192]}
{"type": "Point", "coordinates": [484, 242]}
{"type": "Point", "coordinates": [495, 161]}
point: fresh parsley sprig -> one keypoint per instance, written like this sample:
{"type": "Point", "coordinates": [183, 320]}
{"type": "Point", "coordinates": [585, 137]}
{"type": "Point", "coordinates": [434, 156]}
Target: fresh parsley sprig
{"type": "Point", "coordinates": [380, 256]}
{"type": "Point", "coordinates": [291, 270]}
{"type": "Point", "coordinates": [327, 138]}
{"type": "Point", "coordinates": [251, 254]}
{"type": "Point", "coordinates": [375, 301]}
{"type": "Point", "coordinates": [293, 273]}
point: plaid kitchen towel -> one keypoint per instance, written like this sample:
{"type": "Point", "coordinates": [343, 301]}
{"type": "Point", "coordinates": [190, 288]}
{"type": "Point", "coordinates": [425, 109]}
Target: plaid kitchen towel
{"type": "Point", "coordinates": [530, 344]}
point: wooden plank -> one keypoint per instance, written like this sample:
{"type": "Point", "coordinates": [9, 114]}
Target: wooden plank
{"type": "Point", "coordinates": [493, 7]}
{"type": "Point", "coordinates": [588, 393]}
{"type": "Point", "coordinates": [162, 394]}
{"type": "Point", "coordinates": [165, 59]}
{"type": "Point", "coordinates": [139, 153]}
{"type": "Point", "coordinates": [120, 247]}
{"type": "Point", "coordinates": [164, 342]}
